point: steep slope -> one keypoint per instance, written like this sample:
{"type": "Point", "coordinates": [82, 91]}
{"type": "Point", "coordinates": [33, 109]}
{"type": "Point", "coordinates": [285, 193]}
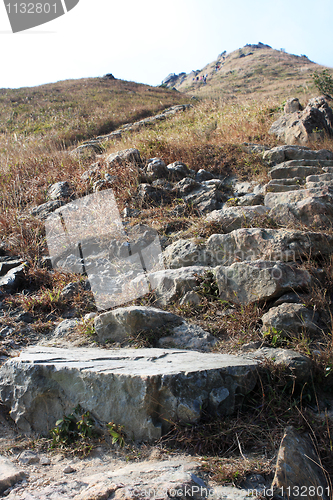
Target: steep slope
{"type": "Point", "coordinates": [79, 109]}
{"type": "Point", "coordinates": [252, 70]}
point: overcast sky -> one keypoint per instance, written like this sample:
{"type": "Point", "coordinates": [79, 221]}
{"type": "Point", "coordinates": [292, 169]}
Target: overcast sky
{"type": "Point", "coordinates": [145, 40]}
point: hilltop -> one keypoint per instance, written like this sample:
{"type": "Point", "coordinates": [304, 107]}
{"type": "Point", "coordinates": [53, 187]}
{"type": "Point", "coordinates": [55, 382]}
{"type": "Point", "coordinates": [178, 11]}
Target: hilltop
{"type": "Point", "coordinates": [255, 70]}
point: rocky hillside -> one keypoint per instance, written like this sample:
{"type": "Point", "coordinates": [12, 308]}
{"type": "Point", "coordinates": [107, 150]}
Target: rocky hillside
{"type": "Point", "coordinates": [252, 71]}
{"type": "Point", "coordinates": [166, 307]}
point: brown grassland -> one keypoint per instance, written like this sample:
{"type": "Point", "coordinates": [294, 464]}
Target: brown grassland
{"type": "Point", "coordinates": [39, 127]}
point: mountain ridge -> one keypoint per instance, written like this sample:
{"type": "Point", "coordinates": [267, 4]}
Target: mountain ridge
{"type": "Point", "coordinates": [254, 68]}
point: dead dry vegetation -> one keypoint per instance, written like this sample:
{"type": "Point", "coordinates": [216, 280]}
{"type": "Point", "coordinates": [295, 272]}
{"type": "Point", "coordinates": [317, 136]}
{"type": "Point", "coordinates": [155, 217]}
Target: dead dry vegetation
{"type": "Point", "coordinates": [210, 136]}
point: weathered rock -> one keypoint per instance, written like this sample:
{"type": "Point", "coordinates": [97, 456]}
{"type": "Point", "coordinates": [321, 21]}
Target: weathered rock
{"type": "Point", "coordinates": [65, 327]}
{"type": "Point", "coordinates": [13, 278]}
{"type": "Point", "coordinates": [144, 390]}
{"type": "Point", "coordinates": [273, 187]}
{"type": "Point", "coordinates": [158, 477]}
{"type": "Point", "coordinates": [205, 198]}
{"type": "Point", "coordinates": [250, 199]}
{"type": "Point", "coordinates": [69, 290]}
{"type": "Point", "coordinates": [9, 474]}
{"type": "Point", "coordinates": [280, 154]}
{"type": "Point", "coordinates": [190, 298]}
{"type": "Point", "coordinates": [59, 190]}
{"type": "Point", "coordinates": [274, 199]}
{"type": "Point", "coordinates": [42, 211]}
{"type": "Point", "coordinates": [8, 263]}
{"type": "Point", "coordinates": [203, 175]}
{"type": "Point", "coordinates": [178, 170]}
{"type": "Point", "coordinates": [156, 169]}
{"type": "Point", "coordinates": [309, 207]}
{"type": "Point", "coordinates": [130, 155]}
{"type": "Point", "coordinates": [299, 127]}
{"type": "Point", "coordinates": [254, 243]}
{"type": "Point", "coordinates": [188, 336]}
{"type": "Point", "coordinates": [28, 457]}
{"type": "Point", "coordinates": [232, 218]}
{"type": "Point", "coordinates": [319, 181]}
{"type": "Point", "coordinates": [242, 188]}
{"type": "Point", "coordinates": [149, 194]}
{"type": "Point", "coordinates": [182, 253]}
{"type": "Point", "coordinates": [292, 105]}
{"type": "Point", "coordinates": [288, 170]}
{"type": "Point", "coordinates": [296, 364]}
{"type": "Point", "coordinates": [258, 281]}
{"type": "Point", "coordinates": [185, 186]}
{"type": "Point", "coordinates": [171, 284]}
{"type": "Point", "coordinates": [298, 470]}
{"type": "Point", "coordinates": [119, 324]}
{"type": "Point", "coordinates": [290, 319]}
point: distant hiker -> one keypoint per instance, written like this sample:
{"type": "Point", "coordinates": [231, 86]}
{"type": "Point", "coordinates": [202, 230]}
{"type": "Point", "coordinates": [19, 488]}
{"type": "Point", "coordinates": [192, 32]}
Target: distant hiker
{"type": "Point", "coordinates": [204, 79]}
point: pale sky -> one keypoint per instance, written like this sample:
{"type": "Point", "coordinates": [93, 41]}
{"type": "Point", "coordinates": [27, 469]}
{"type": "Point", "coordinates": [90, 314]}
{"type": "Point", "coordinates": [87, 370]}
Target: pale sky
{"type": "Point", "coordinates": [145, 40]}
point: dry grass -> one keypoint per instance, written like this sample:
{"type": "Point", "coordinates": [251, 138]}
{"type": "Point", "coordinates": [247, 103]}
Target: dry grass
{"type": "Point", "coordinates": [249, 442]}
{"type": "Point", "coordinates": [208, 136]}
{"type": "Point", "coordinates": [73, 110]}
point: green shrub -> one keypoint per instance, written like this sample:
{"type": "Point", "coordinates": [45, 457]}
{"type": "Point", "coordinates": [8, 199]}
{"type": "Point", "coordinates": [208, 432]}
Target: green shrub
{"type": "Point", "coordinates": [324, 82]}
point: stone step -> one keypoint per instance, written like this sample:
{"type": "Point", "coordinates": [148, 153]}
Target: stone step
{"type": "Point", "coordinates": [232, 218]}
{"type": "Point", "coordinates": [282, 154]}
{"type": "Point", "coordinates": [318, 181]}
{"type": "Point", "coordinates": [309, 163]}
{"type": "Point", "coordinates": [273, 187]}
{"type": "Point", "coordinates": [289, 172]}
{"type": "Point", "coordinates": [295, 196]}
{"type": "Point", "coordinates": [258, 281]}
{"type": "Point", "coordinates": [145, 390]}
{"type": "Point", "coordinates": [249, 244]}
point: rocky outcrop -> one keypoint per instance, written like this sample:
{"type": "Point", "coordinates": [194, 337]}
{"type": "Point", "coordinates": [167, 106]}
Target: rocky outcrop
{"type": "Point", "coordinates": [95, 146]}
{"type": "Point", "coordinates": [300, 127]}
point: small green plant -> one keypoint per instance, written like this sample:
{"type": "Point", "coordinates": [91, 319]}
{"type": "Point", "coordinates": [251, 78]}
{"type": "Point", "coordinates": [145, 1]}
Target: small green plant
{"type": "Point", "coordinates": [77, 425]}
{"type": "Point", "coordinates": [275, 336]}
{"type": "Point", "coordinates": [324, 82]}
{"type": "Point", "coordinates": [117, 433]}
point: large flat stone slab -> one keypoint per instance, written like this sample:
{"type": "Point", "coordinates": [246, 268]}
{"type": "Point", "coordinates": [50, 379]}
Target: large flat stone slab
{"type": "Point", "coordinates": [145, 390]}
